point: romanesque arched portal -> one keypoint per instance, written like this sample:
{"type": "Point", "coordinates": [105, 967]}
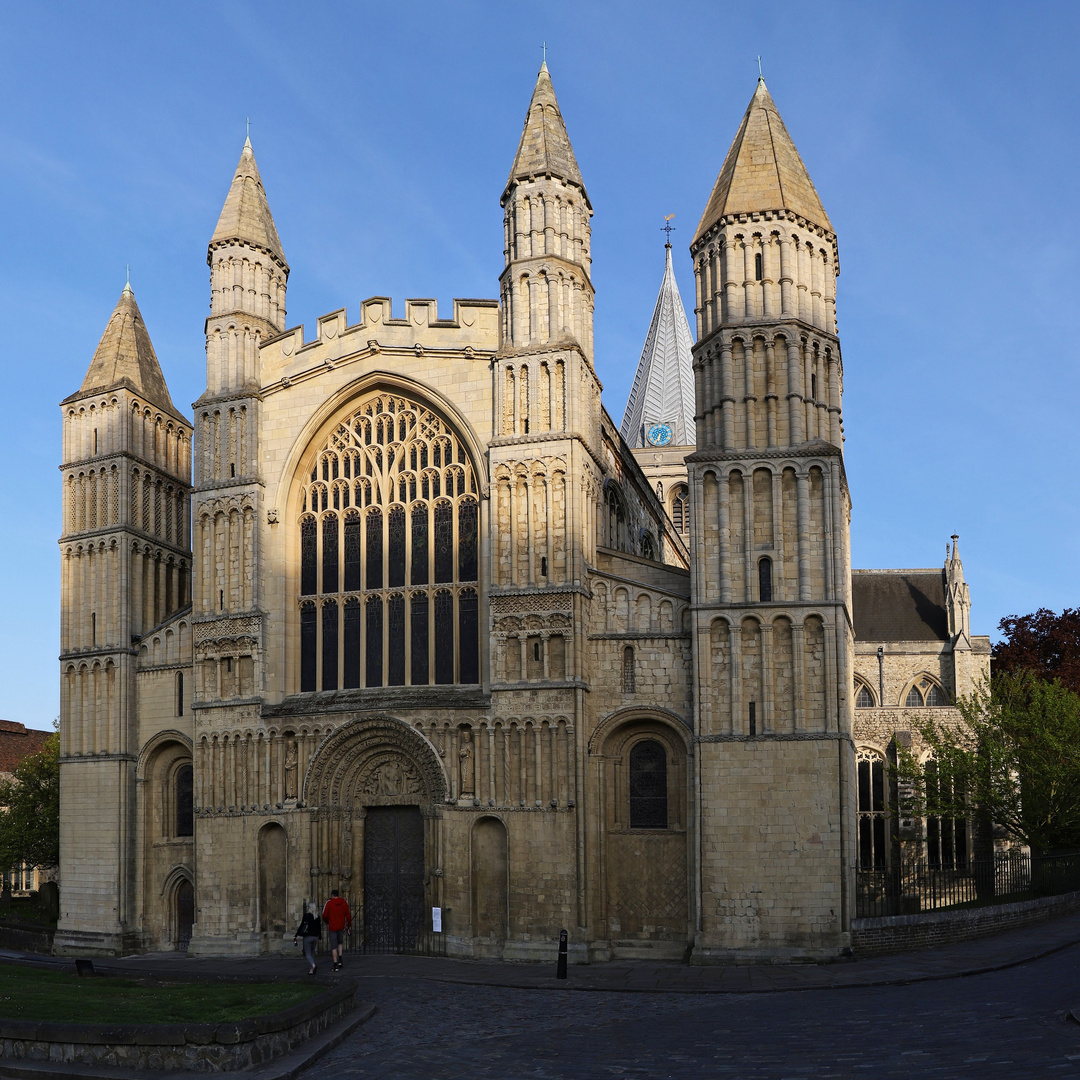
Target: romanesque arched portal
{"type": "Point", "coordinates": [373, 788]}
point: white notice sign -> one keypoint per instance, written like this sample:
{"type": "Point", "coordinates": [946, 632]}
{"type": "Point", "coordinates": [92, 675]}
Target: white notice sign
{"type": "Point", "coordinates": [436, 920]}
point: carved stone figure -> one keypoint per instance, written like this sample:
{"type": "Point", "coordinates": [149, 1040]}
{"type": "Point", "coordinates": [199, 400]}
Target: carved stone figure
{"type": "Point", "coordinates": [291, 769]}
{"type": "Point", "coordinates": [465, 756]}
{"type": "Point", "coordinates": [391, 778]}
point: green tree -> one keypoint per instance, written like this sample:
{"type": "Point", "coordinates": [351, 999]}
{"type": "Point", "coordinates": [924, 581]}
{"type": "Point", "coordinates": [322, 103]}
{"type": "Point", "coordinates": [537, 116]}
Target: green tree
{"type": "Point", "coordinates": [30, 810]}
{"type": "Point", "coordinates": [1012, 761]}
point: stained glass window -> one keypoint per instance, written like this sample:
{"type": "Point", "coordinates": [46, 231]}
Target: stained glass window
{"type": "Point", "coordinates": [467, 541]}
{"type": "Point", "coordinates": [309, 552]}
{"type": "Point", "coordinates": [374, 549]}
{"type": "Point", "coordinates": [329, 645]}
{"type": "Point", "coordinates": [396, 541]}
{"type": "Point", "coordinates": [351, 674]}
{"type": "Point", "coordinates": [444, 542]}
{"type": "Point", "coordinates": [373, 674]}
{"type": "Point", "coordinates": [412, 478]}
{"type": "Point", "coordinates": [395, 619]}
{"type": "Point", "coordinates": [418, 618]}
{"type": "Point", "coordinates": [420, 544]}
{"type": "Point", "coordinates": [648, 786]}
{"type": "Point", "coordinates": [308, 634]}
{"type": "Point", "coordinates": [330, 553]}
{"type": "Point", "coordinates": [444, 636]}
{"type": "Point", "coordinates": [352, 552]}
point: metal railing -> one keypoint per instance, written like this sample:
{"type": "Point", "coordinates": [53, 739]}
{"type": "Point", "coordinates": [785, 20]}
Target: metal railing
{"type": "Point", "coordinates": [911, 886]}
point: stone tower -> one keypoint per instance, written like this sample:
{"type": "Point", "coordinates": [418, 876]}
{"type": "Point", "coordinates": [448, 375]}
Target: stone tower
{"type": "Point", "coordinates": [770, 561]}
{"type": "Point", "coordinates": [126, 563]}
{"type": "Point", "coordinates": [248, 277]}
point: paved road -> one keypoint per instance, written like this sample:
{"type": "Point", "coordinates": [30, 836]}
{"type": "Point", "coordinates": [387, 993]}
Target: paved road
{"type": "Point", "coordinates": [1007, 1024]}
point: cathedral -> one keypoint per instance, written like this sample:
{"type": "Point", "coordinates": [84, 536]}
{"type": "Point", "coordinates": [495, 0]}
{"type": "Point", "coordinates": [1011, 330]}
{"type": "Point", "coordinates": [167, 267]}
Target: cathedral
{"type": "Point", "coordinates": [400, 610]}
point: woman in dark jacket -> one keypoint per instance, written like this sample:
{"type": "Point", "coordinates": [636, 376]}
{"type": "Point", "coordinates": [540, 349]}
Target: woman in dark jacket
{"type": "Point", "coordinates": [309, 929]}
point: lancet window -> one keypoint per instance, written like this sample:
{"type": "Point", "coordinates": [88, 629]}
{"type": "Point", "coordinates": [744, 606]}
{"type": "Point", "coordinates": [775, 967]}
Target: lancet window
{"type": "Point", "coordinates": [389, 537]}
{"type": "Point", "coordinates": [870, 768]}
{"type": "Point", "coordinates": [680, 509]}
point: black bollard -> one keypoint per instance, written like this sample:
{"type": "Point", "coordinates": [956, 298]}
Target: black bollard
{"type": "Point", "coordinates": [560, 971]}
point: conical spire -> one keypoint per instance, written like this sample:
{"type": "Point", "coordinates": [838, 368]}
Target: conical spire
{"type": "Point", "coordinates": [125, 356]}
{"type": "Point", "coordinates": [763, 171]}
{"type": "Point", "coordinates": [246, 214]}
{"type": "Point", "coordinates": [663, 390]}
{"type": "Point", "coordinates": [545, 148]}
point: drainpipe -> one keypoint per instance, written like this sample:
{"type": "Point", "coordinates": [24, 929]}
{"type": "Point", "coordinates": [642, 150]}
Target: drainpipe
{"type": "Point", "coordinates": [881, 676]}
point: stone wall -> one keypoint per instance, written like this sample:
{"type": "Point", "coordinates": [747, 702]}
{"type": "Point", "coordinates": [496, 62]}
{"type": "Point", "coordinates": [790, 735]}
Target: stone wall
{"type": "Point", "coordinates": [194, 1047]}
{"type": "Point", "coordinates": [903, 933]}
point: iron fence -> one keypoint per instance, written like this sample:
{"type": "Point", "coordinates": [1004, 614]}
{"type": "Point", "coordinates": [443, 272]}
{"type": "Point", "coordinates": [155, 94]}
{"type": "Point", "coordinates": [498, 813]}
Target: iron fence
{"type": "Point", "coordinates": [910, 886]}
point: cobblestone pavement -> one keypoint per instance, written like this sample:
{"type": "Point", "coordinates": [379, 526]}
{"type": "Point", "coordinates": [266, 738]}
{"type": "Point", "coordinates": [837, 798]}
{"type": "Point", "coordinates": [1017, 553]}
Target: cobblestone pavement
{"type": "Point", "coordinates": [1001, 1024]}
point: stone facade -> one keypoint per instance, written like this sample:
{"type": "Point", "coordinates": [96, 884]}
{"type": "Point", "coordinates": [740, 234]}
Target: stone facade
{"type": "Point", "coordinates": [401, 611]}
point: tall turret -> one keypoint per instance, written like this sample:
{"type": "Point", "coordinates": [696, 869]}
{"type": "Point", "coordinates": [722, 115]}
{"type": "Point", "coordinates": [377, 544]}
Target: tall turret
{"type": "Point", "coordinates": [248, 276]}
{"type": "Point", "coordinates": [126, 564]}
{"type": "Point", "coordinates": [770, 556]}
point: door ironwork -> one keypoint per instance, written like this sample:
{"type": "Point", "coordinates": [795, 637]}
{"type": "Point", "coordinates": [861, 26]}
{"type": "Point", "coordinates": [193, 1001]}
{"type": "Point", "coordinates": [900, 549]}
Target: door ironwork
{"type": "Point", "coordinates": [394, 909]}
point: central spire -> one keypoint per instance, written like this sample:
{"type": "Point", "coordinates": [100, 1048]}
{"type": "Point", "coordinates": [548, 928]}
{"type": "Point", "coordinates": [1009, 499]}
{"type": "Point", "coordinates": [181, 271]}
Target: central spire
{"type": "Point", "coordinates": [663, 390]}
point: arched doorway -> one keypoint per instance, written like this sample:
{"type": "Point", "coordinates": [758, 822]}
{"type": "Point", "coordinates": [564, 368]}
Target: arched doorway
{"type": "Point", "coordinates": [375, 787]}
{"type": "Point", "coordinates": [184, 919]}
{"type": "Point", "coordinates": [272, 869]}
{"type": "Point", "coordinates": [490, 880]}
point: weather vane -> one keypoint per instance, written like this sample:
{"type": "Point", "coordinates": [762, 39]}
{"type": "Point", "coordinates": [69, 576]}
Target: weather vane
{"type": "Point", "coordinates": [759, 75]}
{"type": "Point", "coordinates": [127, 267]}
{"type": "Point", "coordinates": [249, 127]}
{"type": "Point", "coordinates": [667, 227]}
{"type": "Point", "coordinates": [545, 52]}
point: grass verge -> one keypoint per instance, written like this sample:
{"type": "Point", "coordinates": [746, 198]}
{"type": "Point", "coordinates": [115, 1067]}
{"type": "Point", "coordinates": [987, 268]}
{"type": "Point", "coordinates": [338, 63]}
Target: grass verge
{"type": "Point", "coordinates": [29, 993]}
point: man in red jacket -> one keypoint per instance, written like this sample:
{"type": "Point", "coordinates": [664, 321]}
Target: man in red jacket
{"type": "Point", "coordinates": [338, 919]}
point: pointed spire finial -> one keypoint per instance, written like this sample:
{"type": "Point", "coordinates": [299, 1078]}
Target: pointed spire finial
{"type": "Point", "coordinates": [668, 228]}
{"type": "Point", "coordinates": [127, 283]}
{"type": "Point", "coordinates": [761, 78]}
{"type": "Point", "coordinates": [544, 61]}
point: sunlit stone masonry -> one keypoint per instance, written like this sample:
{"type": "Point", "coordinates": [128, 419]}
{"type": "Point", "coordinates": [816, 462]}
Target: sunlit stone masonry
{"type": "Point", "coordinates": [401, 611]}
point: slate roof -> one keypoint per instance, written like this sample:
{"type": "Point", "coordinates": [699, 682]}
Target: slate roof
{"type": "Point", "coordinates": [763, 171]}
{"type": "Point", "coordinates": [125, 357]}
{"type": "Point", "coordinates": [663, 387]}
{"type": "Point", "coordinates": [18, 742]}
{"type": "Point", "coordinates": [246, 214]}
{"type": "Point", "coordinates": [545, 148]}
{"type": "Point", "coordinates": [899, 605]}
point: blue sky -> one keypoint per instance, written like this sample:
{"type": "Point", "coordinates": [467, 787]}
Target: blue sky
{"type": "Point", "coordinates": [942, 139]}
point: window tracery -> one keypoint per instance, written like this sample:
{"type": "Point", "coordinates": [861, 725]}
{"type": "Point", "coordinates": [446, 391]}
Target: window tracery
{"type": "Point", "coordinates": [871, 812]}
{"type": "Point", "coordinates": [389, 551]}
{"type": "Point", "coordinates": [864, 696]}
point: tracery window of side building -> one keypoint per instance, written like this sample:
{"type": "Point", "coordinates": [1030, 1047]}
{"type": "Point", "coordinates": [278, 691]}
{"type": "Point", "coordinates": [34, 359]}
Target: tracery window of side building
{"type": "Point", "coordinates": [872, 823]}
{"type": "Point", "coordinates": [389, 553]}
{"type": "Point", "coordinates": [925, 693]}
{"type": "Point", "coordinates": [864, 696]}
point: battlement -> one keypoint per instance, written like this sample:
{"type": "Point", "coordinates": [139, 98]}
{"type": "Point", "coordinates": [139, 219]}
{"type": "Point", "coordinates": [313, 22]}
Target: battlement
{"type": "Point", "coordinates": [475, 325]}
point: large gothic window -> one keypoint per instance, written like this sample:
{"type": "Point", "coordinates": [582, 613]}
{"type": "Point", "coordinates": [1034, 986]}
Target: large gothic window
{"type": "Point", "coordinates": [389, 545]}
{"type": "Point", "coordinates": [870, 769]}
{"type": "Point", "coordinates": [648, 786]}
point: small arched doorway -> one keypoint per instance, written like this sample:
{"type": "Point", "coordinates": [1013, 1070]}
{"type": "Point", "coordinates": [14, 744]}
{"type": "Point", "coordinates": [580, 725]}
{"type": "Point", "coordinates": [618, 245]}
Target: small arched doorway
{"type": "Point", "coordinates": [184, 920]}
